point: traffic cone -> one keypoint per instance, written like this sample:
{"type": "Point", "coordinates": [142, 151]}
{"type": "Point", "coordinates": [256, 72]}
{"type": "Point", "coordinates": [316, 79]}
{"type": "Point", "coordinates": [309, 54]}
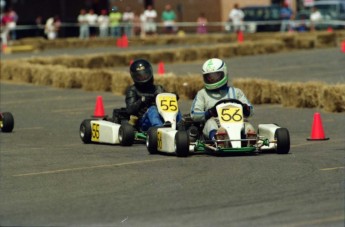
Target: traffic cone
{"type": "Point", "coordinates": [240, 37]}
{"type": "Point", "coordinates": [130, 62]}
{"type": "Point", "coordinates": [329, 29]}
{"type": "Point", "coordinates": [317, 132]}
{"type": "Point", "coordinates": [99, 108]}
{"type": "Point", "coordinates": [161, 69]}
{"type": "Point", "coordinates": [124, 41]}
{"type": "Point", "coordinates": [343, 46]}
{"type": "Point", "coordinates": [119, 42]}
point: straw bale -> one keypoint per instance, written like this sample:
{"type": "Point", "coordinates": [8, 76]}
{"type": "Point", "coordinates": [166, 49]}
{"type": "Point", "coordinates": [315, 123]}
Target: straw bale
{"type": "Point", "coordinates": [333, 98]}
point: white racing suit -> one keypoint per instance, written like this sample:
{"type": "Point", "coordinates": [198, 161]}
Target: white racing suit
{"type": "Point", "coordinates": [206, 99]}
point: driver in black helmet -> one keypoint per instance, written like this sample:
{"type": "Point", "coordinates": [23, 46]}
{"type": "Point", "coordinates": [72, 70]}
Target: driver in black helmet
{"type": "Point", "coordinates": [140, 97]}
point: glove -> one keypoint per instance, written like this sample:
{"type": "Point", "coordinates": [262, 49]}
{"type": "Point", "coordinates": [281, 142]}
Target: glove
{"type": "Point", "coordinates": [246, 110]}
{"type": "Point", "coordinates": [212, 112]}
{"type": "Point", "coordinates": [147, 100]}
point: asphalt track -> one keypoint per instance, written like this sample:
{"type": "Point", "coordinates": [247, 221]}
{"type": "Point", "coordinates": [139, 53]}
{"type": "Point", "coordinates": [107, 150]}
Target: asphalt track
{"type": "Point", "coordinates": [50, 178]}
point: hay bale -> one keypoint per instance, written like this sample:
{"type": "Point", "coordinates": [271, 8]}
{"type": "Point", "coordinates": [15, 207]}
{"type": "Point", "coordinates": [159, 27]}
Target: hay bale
{"type": "Point", "coordinates": [332, 98]}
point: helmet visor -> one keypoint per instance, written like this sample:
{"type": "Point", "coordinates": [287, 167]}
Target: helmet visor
{"type": "Point", "coordinates": [142, 76]}
{"type": "Point", "coordinates": [211, 78]}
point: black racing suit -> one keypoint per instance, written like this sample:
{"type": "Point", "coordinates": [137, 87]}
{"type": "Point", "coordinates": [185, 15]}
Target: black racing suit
{"type": "Point", "coordinates": [135, 103]}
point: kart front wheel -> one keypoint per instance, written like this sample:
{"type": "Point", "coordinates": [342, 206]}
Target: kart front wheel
{"type": "Point", "coordinates": [182, 144]}
{"type": "Point", "coordinates": [85, 131]}
{"type": "Point", "coordinates": [283, 140]}
{"type": "Point", "coordinates": [151, 140]}
{"type": "Point", "coordinates": [126, 134]}
{"type": "Point", "coordinates": [7, 122]}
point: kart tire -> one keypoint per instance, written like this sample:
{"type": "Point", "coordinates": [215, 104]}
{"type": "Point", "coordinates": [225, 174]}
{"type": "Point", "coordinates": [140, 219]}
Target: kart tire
{"type": "Point", "coordinates": [126, 134]}
{"type": "Point", "coordinates": [85, 131]}
{"type": "Point", "coordinates": [7, 122]}
{"type": "Point", "coordinates": [151, 140]}
{"type": "Point", "coordinates": [283, 140]}
{"type": "Point", "coordinates": [182, 144]}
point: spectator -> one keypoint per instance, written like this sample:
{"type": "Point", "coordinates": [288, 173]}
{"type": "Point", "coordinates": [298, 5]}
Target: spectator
{"type": "Point", "coordinates": [150, 21]}
{"type": "Point", "coordinates": [236, 16]}
{"type": "Point", "coordinates": [128, 19]}
{"type": "Point", "coordinates": [84, 29]}
{"type": "Point", "coordinates": [57, 25]}
{"type": "Point", "coordinates": [12, 24]}
{"type": "Point", "coordinates": [315, 18]}
{"type": "Point", "coordinates": [92, 21]}
{"type": "Point", "coordinates": [202, 23]}
{"type": "Point", "coordinates": [103, 23]}
{"type": "Point", "coordinates": [137, 25]}
{"type": "Point", "coordinates": [5, 19]}
{"type": "Point", "coordinates": [168, 18]}
{"type": "Point", "coordinates": [39, 26]}
{"type": "Point", "coordinates": [114, 19]}
{"type": "Point", "coordinates": [285, 15]}
{"type": "Point", "coordinates": [49, 29]}
{"type": "Point", "coordinates": [142, 18]}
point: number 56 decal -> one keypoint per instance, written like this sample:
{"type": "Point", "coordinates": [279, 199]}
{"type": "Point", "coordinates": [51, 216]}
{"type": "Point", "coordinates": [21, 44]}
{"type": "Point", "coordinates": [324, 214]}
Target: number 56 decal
{"type": "Point", "coordinates": [168, 103]}
{"type": "Point", "coordinates": [231, 115]}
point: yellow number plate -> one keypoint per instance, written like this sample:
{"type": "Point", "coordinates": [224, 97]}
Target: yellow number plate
{"type": "Point", "coordinates": [95, 132]}
{"type": "Point", "coordinates": [230, 115]}
{"type": "Point", "coordinates": [159, 140]}
{"type": "Point", "coordinates": [168, 103]}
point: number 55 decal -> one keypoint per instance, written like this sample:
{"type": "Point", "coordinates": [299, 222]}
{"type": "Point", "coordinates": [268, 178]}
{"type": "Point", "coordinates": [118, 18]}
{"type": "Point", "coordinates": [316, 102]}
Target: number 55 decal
{"type": "Point", "coordinates": [168, 104]}
{"type": "Point", "coordinates": [231, 115]}
{"type": "Point", "coordinates": [95, 132]}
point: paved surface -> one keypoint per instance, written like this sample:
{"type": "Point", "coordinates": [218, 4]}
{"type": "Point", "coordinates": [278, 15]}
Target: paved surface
{"type": "Point", "coordinates": [50, 178]}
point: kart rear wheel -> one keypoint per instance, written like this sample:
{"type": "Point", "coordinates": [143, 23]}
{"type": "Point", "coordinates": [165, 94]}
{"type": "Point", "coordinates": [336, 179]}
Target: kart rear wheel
{"type": "Point", "coordinates": [151, 140]}
{"type": "Point", "coordinates": [85, 131]}
{"type": "Point", "coordinates": [283, 140]}
{"type": "Point", "coordinates": [182, 144]}
{"type": "Point", "coordinates": [7, 122]}
{"type": "Point", "coordinates": [126, 134]}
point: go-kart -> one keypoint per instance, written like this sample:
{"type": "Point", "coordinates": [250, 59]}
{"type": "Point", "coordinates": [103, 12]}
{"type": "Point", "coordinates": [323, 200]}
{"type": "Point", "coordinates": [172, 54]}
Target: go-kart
{"type": "Point", "coordinates": [122, 128]}
{"type": "Point", "coordinates": [115, 130]}
{"type": "Point", "coordinates": [234, 139]}
{"type": "Point", "coordinates": [6, 122]}
{"type": "Point", "coordinates": [167, 138]}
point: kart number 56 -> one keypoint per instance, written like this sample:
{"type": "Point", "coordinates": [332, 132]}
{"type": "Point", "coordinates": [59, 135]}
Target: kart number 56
{"type": "Point", "coordinates": [231, 115]}
{"type": "Point", "coordinates": [95, 132]}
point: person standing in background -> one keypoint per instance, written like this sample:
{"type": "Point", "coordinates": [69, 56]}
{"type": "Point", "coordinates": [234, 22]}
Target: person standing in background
{"type": "Point", "coordinates": [13, 24]}
{"type": "Point", "coordinates": [128, 19]}
{"type": "Point", "coordinates": [114, 19]}
{"type": "Point", "coordinates": [202, 23]}
{"type": "Point", "coordinates": [92, 21]}
{"type": "Point", "coordinates": [285, 15]}
{"type": "Point", "coordinates": [103, 23]}
{"type": "Point", "coordinates": [315, 18]}
{"type": "Point", "coordinates": [150, 20]}
{"type": "Point", "coordinates": [84, 29]}
{"type": "Point", "coordinates": [236, 16]}
{"type": "Point", "coordinates": [168, 18]}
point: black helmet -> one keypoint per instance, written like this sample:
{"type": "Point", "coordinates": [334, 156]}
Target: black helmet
{"type": "Point", "coordinates": [141, 71]}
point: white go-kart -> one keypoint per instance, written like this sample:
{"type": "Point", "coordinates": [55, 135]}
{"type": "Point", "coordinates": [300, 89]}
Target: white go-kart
{"type": "Point", "coordinates": [188, 138]}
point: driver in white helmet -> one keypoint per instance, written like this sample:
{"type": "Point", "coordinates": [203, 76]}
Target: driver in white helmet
{"type": "Point", "coordinates": [215, 75]}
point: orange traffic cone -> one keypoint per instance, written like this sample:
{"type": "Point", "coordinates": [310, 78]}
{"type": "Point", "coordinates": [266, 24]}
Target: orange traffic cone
{"type": "Point", "coordinates": [317, 132]}
{"type": "Point", "coordinates": [99, 108]}
{"type": "Point", "coordinates": [329, 29]}
{"type": "Point", "coordinates": [119, 42]}
{"type": "Point", "coordinates": [124, 41]}
{"type": "Point", "coordinates": [240, 37]}
{"type": "Point", "coordinates": [343, 46]}
{"type": "Point", "coordinates": [130, 62]}
{"type": "Point", "coordinates": [161, 69]}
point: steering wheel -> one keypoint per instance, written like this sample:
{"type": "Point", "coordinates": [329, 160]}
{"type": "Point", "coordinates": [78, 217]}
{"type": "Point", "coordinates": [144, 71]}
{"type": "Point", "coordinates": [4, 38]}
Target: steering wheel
{"type": "Point", "coordinates": [228, 100]}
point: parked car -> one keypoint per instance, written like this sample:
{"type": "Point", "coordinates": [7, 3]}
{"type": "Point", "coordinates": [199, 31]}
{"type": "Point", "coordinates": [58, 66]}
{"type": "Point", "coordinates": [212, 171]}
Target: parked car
{"type": "Point", "coordinates": [333, 13]}
{"type": "Point", "coordinates": [262, 18]}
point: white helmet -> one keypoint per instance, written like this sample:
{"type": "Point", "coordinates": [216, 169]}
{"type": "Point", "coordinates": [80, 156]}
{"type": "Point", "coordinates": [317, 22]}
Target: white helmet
{"type": "Point", "coordinates": [215, 73]}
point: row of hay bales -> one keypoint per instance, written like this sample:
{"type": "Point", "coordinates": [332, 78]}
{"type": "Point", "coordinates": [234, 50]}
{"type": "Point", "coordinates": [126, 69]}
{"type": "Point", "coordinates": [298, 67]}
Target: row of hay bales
{"type": "Point", "coordinates": [311, 95]}
{"type": "Point", "coordinates": [290, 40]}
